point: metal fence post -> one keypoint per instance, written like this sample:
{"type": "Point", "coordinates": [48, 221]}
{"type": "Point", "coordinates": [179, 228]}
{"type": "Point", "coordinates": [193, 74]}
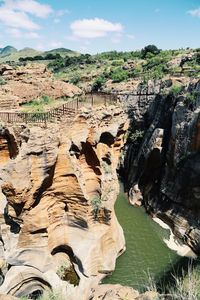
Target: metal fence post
{"type": "Point", "coordinates": [92, 100]}
{"type": "Point", "coordinates": [77, 104]}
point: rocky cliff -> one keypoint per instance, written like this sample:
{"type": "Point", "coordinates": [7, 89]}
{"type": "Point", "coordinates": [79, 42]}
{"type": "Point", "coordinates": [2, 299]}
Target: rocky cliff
{"type": "Point", "coordinates": [59, 186]}
{"type": "Point", "coordinates": [162, 158]}
{"type": "Point", "coordinates": [26, 83]}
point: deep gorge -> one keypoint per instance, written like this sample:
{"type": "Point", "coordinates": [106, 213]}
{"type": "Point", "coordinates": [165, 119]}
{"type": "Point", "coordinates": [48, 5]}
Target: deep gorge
{"type": "Point", "coordinates": [61, 186]}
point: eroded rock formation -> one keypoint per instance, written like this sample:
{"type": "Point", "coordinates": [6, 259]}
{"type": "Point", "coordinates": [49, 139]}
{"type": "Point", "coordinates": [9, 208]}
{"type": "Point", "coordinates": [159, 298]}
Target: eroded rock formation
{"type": "Point", "coordinates": [58, 226]}
{"type": "Point", "coordinates": [29, 82]}
{"type": "Point", "coordinates": [162, 161]}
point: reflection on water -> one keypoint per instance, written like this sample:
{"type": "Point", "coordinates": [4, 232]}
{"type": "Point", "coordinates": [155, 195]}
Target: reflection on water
{"type": "Point", "coordinates": [146, 253]}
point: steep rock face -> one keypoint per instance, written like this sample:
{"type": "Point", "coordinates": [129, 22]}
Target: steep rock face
{"type": "Point", "coordinates": [162, 161]}
{"type": "Point", "coordinates": [8, 145]}
{"type": "Point", "coordinates": [58, 227]}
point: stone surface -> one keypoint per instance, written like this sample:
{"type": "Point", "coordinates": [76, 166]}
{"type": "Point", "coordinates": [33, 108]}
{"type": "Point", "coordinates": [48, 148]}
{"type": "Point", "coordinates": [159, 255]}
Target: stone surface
{"type": "Point", "coordinates": [164, 161]}
{"type": "Point", "coordinates": [119, 292]}
{"type": "Point", "coordinates": [58, 226]}
{"type": "Point", "coordinates": [24, 84]}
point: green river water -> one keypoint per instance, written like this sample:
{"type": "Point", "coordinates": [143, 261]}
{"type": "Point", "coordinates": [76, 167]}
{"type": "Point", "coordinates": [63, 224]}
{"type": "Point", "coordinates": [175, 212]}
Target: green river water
{"type": "Point", "coordinates": [146, 253]}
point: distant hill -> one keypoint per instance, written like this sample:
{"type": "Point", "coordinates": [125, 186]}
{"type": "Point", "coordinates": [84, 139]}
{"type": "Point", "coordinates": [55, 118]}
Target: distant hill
{"type": "Point", "coordinates": [10, 53]}
{"type": "Point", "coordinates": [62, 52]}
{"type": "Point", "coordinates": [8, 50]}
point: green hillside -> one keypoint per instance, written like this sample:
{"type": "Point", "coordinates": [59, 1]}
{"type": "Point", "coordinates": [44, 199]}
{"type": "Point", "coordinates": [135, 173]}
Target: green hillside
{"type": "Point", "coordinates": [11, 54]}
{"type": "Point", "coordinates": [8, 50]}
{"type": "Point", "coordinates": [62, 51]}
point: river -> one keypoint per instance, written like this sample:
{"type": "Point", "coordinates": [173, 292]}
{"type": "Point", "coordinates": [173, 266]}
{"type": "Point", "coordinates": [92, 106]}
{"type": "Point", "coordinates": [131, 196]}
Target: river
{"type": "Point", "coordinates": [146, 253]}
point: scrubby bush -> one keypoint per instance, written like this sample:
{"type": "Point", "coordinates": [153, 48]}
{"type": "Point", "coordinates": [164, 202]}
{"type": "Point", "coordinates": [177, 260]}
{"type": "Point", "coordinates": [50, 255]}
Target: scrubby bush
{"type": "Point", "coordinates": [98, 83]}
{"type": "Point", "coordinates": [175, 90]}
{"type": "Point", "coordinates": [118, 62]}
{"type": "Point", "coordinates": [2, 81]}
{"type": "Point", "coordinates": [96, 206]}
{"type": "Point", "coordinates": [187, 286]}
{"type": "Point", "coordinates": [119, 75]}
{"type": "Point", "coordinates": [75, 79]}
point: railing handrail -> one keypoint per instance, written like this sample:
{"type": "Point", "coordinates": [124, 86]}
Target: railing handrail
{"type": "Point", "coordinates": [71, 106]}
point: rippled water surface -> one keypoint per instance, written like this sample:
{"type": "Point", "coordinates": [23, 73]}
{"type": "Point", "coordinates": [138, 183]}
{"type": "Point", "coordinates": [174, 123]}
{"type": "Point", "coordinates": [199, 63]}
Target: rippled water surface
{"type": "Point", "coordinates": [146, 252]}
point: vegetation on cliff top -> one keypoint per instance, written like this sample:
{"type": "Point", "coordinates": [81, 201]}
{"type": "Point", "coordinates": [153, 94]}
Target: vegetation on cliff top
{"type": "Point", "coordinates": [149, 63]}
{"type": "Point", "coordinates": [96, 70]}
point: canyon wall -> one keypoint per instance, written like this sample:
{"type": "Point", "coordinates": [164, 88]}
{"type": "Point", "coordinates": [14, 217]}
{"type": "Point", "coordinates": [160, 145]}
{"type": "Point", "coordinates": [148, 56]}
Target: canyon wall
{"type": "Point", "coordinates": [161, 167]}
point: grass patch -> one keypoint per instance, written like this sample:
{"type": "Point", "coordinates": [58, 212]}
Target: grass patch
{"type": "Point", "coordinates": [51, 296]}
{"type": "Point", "coordinates": [183, 287]}
{"type": "Point", "coordinates": [42, 104]}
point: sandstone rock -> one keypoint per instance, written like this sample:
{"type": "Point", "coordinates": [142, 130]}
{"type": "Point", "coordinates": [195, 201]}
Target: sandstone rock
{"type": "Point", "coordinates": [60, 191]}
{"type": "Point", "coordinates": [114, 292]}
{"type": "Point", "coordinates": [30, 82]}
{"type": "Point", "coordinates": [118, 292]}
{"type": "Point", "coordinates": [7, 297]}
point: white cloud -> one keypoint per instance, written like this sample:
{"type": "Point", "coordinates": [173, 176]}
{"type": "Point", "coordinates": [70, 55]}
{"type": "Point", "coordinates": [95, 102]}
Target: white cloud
{"type": "Point", "coordinates": [94, 28]}
{"type": "Point", "coordinates": [195, 12]}
{"type": "Point", "coordinates": [16, 33]}
{"type": "Point", "coordinates": [29, 6]}
{"type": "Point", "coordinates": [16, 13]}
{"type": "Point", "coordinates": [15, 19]}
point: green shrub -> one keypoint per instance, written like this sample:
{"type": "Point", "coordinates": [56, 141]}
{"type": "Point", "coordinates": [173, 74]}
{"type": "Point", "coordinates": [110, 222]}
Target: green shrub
{"type": "Point", "coordinates": [2, 81]}
{"type": "Point", "coordinates": [96, 206]}
{"type": "Point", "coordinates": [51, 296]}
{"type": "Point", "coordinates": [98, 83]}
{"type": "Point", "coordinates": [175, 90]}
{"type": "Point", "coordinates": [75, 79]}
{"type": "Point", "coordinates": [106, 167]}
{"type": "Point", "coordinates": [119, 75]}
{"type": "Point", "coordinates": [118, 62]}
{"type": "Point", "coordinates": [191, 97]}
{"type": "Point", "coordinates": [136, 72]}
{"type": "Point", "coordinates": [134, 136]}
{"type": "Point", "coordinates": [66, 272]}
{"type": "Point", "coordinates": [45, 99]}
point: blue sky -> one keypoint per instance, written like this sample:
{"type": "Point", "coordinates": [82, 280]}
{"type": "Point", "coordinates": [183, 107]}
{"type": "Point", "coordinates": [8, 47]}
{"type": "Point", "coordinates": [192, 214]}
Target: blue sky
{"type": "Point", "coordinates": [100, 25]}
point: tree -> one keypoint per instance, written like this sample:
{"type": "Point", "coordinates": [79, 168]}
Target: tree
{"type": "Point", "coordinates": [149, 49]}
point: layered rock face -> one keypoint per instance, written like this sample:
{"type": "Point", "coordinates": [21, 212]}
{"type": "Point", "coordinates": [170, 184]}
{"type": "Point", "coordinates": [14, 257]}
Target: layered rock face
{"type": "Point", "coordinates": [26, 83]}
{"type": "Point", "coordinates": [162, 159]}
{"type": "Point", "coordinates": [58, 226]}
